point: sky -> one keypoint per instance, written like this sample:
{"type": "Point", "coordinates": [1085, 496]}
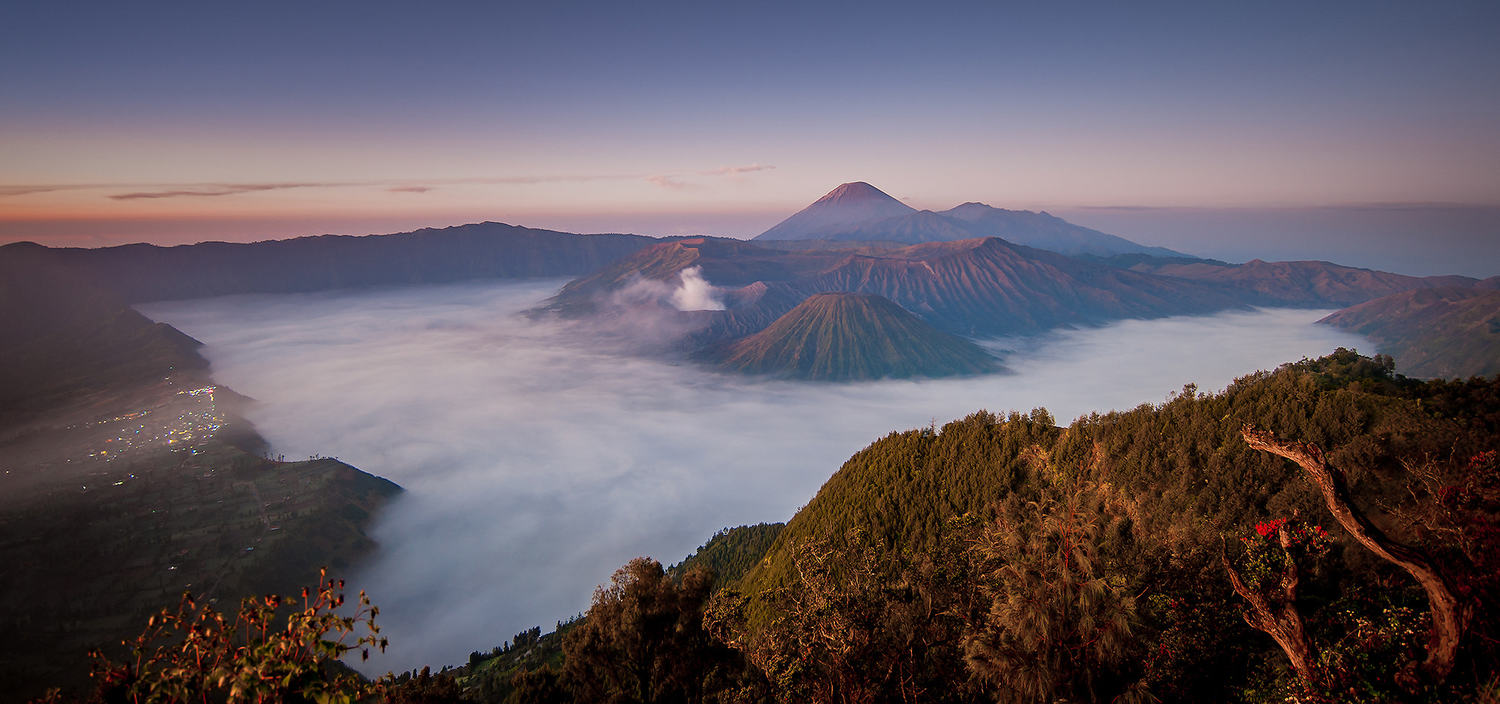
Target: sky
{"type": "Point", "coordinates": [179, 122]}
{"type": "Point", "coordinates": [538, 456]}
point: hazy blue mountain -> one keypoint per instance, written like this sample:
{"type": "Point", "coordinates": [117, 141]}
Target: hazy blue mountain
{"type": "Point", "coordinates": [1045, 231]}
{"type": "Point", "coordinates": [859, 212]}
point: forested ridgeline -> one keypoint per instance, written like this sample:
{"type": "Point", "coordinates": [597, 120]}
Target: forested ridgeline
{"type": "Point", "coordinates": [1324, 532]}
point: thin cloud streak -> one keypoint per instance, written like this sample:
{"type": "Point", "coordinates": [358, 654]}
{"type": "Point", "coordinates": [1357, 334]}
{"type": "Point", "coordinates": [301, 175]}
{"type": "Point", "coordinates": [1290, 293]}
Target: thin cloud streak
{"type": "Point", "coordinates": [668, 181]}
{"type": "Point", "coordinates": [221, 190]}
{"type": "Point", "coordinates": [10, 191]}
{"type": "Point", "coordinates": [737, 170]}
{"type": "Point", "coordinates": [536, 460]}
{"type": "Point", "coordinates": [674, 180]}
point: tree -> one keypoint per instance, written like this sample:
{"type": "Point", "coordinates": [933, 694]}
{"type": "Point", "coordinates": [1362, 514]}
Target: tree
{"type": "Point", "coordinates": [643, 641]}
{"type": "Point", "coordinates": [424, 688]}
{"type": "Point", "coordinates": [1270, 586]}
{"type": "Point", "coordinates": [543, 685]}
{"type": "Point", "coordinates": [1060, 620]}
{"type": "Point", "coordinates": [1449, 616]}
{"type": "Point", "coordinates": [856, 626]}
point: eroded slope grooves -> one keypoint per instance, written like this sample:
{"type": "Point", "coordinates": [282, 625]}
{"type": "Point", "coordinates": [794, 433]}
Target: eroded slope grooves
{"type": "Point", "coordinates": [847, 336]}
{"type": "Point", "coordinates": [985, 287]}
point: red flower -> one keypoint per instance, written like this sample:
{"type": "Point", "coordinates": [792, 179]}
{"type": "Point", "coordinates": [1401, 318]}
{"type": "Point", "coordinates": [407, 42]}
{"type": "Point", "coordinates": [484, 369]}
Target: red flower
{"type": "Point", "coordinates": [1268, 529]}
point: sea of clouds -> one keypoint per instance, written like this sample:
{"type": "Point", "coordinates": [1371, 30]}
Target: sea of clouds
{"type": "Point", "coordinates": [537, 459]}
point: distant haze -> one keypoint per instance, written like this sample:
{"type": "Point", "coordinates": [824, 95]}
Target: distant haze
{"type": "Point", "coordinates": [537, 461]}
{"type": "Point", "coordinates": [1416, 239]}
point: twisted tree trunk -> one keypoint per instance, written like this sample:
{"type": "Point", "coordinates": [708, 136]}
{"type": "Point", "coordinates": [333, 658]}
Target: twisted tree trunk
{"type": "Point", "coordinates": [1280, 620]}
{"type": "Point", "coordinates": [1449, 617]}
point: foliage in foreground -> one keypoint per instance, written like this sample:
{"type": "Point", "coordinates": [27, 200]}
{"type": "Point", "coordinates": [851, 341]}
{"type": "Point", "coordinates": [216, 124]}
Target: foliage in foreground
{"type": "Point", "coordinates": [194, 653]}
{"type": "Point", "coordinates": [1166, 553]}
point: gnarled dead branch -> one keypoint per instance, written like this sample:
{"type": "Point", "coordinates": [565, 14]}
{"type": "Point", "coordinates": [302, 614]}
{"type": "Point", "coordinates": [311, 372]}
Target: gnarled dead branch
{"type": "Point", "coordinates": [1449, 615]}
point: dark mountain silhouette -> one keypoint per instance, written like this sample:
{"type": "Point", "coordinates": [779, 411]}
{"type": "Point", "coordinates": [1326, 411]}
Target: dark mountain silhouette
{"type": "Point", "coordinates": [860, 212]}
{"type": "Point", "coordinates": [65, 336]}
{"type": "Point", "coordinates": [143, 272]}
{"type": "Point", "coordinates": [847, 336]}
{"type": "Point", "coordinates": [1432, 332]}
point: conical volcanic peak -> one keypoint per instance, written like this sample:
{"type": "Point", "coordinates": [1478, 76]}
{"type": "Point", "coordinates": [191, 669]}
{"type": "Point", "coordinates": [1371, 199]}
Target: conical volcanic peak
{"type": "Point", "coordinates": [843, 209]}
{"type": "Point", "coordinates": [850, 336]}
{"type": "Point", "coordinates": [857, 192]}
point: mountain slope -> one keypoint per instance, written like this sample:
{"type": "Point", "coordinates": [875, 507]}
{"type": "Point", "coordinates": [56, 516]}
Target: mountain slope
{"type": "Point", "coordinates": [63, 336]}
{"type": "Point", "coordinates": [120, 470]}
{"type": "Point", "coordinates": [1181, 458]}
{"type": "Point", "coordinates": [1432, 332]}
{"type": "Point", "coordinates": [845, 336]}
{"type": "Point", "coordinates": [912, 228]}
{"type": "Point", "coordinates": [988, 287]}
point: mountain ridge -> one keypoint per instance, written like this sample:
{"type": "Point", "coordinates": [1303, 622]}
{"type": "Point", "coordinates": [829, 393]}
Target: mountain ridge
{"type": "Point", "coordinates": [143, 272]}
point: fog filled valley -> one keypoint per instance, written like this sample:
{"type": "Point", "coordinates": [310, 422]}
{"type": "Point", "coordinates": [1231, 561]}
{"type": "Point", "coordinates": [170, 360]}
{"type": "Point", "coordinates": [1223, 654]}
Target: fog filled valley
{"type": "Point", "coordinates": [537, 456]}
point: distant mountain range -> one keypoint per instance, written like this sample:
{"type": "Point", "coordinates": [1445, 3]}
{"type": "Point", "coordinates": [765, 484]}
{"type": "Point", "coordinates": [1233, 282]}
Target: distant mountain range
{"type": "Point", "coordinates": [977, 287]}
{"type": "Point", "coordinates": [843, 336]}
{"type": "Point", "coordinates": [1039, 273]}
{"type": "Point", "coordinates": [859, 211]}
{"type": "Point", "coordinates": [143, 272]}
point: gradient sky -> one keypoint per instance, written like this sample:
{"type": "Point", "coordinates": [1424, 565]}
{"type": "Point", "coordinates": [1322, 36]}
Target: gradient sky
{"type": "Point", "coordinates": [174, 122]}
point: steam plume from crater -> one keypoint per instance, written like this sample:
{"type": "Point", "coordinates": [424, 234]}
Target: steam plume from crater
{"type": "Point", "coordinates": [696, 293]}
